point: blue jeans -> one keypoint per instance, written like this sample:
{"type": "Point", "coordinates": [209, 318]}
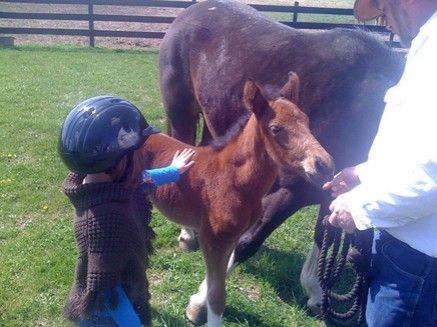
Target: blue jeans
{"type": "Point", "coordinates": [403, 286]}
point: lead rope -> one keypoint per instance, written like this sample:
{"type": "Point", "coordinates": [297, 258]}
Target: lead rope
{"type": "Point", "coordinates": [356, 249]}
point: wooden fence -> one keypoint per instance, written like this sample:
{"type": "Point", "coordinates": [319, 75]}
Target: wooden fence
{"type": "Point", "coordinates": [293, 11]}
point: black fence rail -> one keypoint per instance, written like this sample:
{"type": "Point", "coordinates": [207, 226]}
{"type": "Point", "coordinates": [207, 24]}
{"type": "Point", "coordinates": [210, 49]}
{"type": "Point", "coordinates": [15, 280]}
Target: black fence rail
{"type": "Point", "coordinates": [90, 17]}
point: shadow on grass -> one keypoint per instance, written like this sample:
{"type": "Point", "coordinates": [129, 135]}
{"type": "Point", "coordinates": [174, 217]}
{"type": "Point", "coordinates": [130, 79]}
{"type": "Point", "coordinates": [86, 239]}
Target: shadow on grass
{"type": "Point", "coordinates": [165, 319]}
{"type": "Point", "coordinates": [237, 316]}
{"type": "Point", "coordinates": [281, 270]}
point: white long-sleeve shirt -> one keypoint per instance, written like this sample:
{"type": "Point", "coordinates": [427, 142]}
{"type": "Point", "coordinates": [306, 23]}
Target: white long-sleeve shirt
{"type": "Point", "coordinates": [398, 190]}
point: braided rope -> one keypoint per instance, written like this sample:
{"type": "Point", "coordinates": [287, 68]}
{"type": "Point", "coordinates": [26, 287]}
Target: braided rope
{"type": "Point", "coordinates": [330, 267]}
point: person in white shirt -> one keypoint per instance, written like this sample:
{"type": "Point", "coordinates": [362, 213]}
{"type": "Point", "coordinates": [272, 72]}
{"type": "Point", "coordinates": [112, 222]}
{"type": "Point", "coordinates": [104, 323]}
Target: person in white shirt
{"type": "Point", "coordinates": [395, 190]}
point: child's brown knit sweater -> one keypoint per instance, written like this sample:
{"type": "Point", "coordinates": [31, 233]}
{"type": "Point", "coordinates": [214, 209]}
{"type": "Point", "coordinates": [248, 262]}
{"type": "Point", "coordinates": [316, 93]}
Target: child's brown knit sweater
{"type": "Point", "coordinates": [113, 241]}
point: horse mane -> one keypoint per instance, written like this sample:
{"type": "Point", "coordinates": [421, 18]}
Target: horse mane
{"type": "Point", "coordinates": [219, 143]}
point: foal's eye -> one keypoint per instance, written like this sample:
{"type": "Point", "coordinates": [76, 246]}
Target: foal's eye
{"type": "Point", "coordinates": [275, 129]}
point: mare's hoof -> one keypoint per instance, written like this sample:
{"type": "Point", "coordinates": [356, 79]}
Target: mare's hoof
{"type": "Point", "coordinates": [188, 244]}
{"type": "Point", "coordinates": [197, 314]}
{"type": "Point", "coordinates": [314, 308]}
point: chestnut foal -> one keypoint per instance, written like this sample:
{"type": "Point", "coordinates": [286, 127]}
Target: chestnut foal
{"type": "Point", "coordinates": [220, 196]}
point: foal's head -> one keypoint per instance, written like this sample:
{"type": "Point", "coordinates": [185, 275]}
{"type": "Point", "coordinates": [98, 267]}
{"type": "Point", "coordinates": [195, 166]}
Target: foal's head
{"type": "Point", "coordinates": [285, 129]}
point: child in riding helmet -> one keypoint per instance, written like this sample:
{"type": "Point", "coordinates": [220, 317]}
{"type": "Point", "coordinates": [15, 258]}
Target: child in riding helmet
{"type": "Point", "coordinates": [100, 143]}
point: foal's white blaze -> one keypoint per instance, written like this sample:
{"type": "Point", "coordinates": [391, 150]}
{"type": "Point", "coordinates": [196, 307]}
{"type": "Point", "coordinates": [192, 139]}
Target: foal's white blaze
{"type": "Point", "coordinates": [308, 167]}
{"type": "Point", "coordinates": [310, 281]}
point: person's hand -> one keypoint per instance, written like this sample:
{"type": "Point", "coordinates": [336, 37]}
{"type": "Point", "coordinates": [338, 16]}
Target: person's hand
{"type": "Point", "coordinates": [181, 160]}
{"type": "Point", "coordinates": [341, 216]}
{"type": "Point", "coordinates": [343, 182]}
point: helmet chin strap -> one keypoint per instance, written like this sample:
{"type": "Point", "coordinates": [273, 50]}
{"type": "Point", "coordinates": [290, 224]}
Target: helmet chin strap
{"type": "Point", "coordinates": [128, 167]}
{"type": "Point", "coordinates": [148, 131]}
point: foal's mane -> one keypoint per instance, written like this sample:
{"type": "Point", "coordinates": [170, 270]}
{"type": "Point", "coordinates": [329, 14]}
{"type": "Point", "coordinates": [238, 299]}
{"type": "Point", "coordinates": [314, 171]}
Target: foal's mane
{"type": "Point", "coordinates": [219, 143]}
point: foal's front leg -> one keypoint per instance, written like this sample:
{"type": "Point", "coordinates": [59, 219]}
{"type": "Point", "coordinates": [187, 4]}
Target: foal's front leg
{"type": "Point", "coordinates": [208, 304]}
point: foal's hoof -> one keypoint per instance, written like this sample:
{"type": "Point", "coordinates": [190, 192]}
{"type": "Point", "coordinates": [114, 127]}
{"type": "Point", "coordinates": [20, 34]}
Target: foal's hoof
{"type": "Point", "coordinates": [197, 314]}
{"type": "Point", "coordinates": [188, 244]}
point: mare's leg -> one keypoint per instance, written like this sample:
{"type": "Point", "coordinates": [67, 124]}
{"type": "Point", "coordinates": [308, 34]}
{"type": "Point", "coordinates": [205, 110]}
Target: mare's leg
{"type": "Point", "coordinates": [182, 115]}
{"type": "Point", "coordinates": [179, 104]}
{"type": "Point", "coordinates": [188, 238]}
{"type": "Point", "coordinates": [308, 276]}
{"type": "Point", "coordinates": [283, 201]}
{"type": "Point", "coordinates": [277, 206]}
{"type": "Point", "coordinates": [310, 282]}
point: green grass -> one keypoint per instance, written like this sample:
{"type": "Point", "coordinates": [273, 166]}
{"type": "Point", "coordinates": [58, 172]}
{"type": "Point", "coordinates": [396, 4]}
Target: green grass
{"type": "Point", "coordinates": [38, 86]}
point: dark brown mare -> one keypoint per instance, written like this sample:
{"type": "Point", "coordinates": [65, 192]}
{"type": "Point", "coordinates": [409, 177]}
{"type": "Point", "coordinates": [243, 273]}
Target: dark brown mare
{"type": "Point", "coordinates": [220, 196]}
{"type": "Point", "coordinates": [214, 46]}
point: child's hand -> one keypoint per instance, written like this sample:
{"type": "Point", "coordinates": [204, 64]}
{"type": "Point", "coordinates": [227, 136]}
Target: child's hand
{"type": "Point", "coordinates": [181, 160]}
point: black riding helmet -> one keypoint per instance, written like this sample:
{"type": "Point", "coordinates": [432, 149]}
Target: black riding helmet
{"type": "Point", "coordinates": [99, 131]}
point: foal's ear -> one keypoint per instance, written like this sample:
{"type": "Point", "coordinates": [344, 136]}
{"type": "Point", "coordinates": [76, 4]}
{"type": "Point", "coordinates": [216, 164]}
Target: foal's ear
{"type": "Point", "coordinates": [253, 98]}
{"type": "Point", "coordinates": [290, 90]}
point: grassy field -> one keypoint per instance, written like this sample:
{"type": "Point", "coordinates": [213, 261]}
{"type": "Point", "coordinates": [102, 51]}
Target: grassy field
{"type": "Point", "coordinates": [38, 86]}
